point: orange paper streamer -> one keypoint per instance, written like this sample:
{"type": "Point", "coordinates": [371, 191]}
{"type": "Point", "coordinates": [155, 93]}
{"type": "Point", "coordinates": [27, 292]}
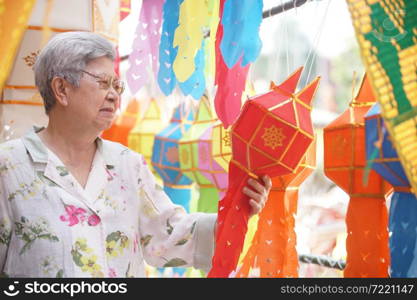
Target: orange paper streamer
{"type": "Point", "coordinates": [344, 163]}
{"type": "Point", "coordinates": [273, 250]}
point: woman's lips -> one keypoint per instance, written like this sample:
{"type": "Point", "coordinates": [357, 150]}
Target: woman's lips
{"type": "Point", "coordinates": [107, 112]}
{"type": "Point", "coordinates": [107, 109]}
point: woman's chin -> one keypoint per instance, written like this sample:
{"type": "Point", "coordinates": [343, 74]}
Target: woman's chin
{"type": "Point", "coordinates": [104, 125]}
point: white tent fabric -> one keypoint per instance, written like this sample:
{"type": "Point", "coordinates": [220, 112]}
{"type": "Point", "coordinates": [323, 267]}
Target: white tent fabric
{"type": "Point", "coordinates": [20, 103]}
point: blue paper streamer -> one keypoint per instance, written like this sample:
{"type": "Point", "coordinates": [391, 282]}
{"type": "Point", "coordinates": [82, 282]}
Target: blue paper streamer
{"type": "Point", "coordinates": [167, 53]}
{"type": "Point", "coordinates": [196, 84]}
{"type": "Point", "coordinates": [403, 226]}
{"type": "Point", "coordinates": [403, 210]}
{"type": "Point", "coordinates": [241, 21]}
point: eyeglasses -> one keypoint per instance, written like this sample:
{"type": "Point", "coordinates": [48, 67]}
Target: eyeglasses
{"type": "Point", "coordinates": [106, 81]}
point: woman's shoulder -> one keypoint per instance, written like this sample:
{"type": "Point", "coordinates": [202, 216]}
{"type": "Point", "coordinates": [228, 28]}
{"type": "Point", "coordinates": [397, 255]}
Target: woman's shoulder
{"type": "Point", "coordinates": [117, 151]}
{"type": "Point", "coordinates": [12, 148]}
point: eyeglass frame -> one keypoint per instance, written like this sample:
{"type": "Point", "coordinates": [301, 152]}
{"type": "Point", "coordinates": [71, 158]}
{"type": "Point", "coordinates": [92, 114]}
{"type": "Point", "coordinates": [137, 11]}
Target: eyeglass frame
{"type": "Point", "coordinates": [110, 81]}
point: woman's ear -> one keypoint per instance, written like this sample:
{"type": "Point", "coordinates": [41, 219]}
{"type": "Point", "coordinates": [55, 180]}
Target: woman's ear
{"type": "Point", "coordinates": [60, 90]}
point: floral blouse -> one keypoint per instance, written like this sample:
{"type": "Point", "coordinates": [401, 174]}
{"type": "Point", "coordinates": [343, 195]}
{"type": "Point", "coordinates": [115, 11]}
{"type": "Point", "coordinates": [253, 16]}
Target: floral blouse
{"type": "Point", "coordinates": [50, 226]}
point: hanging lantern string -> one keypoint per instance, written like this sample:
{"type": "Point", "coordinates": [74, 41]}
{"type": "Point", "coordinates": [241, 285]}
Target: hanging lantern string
{"type": "Point", "coordinates": [287, 48]}
{"type": "Point", "coordinates": [266, 14]}
{"type": "Point", "coordinates": [310, 51]}
{"type": "Point", "coordinates": [275, 72]}
{"type": "Point", "coordinates": [317, 40]}
{"type": "Point", "coordinates": [323, 261]}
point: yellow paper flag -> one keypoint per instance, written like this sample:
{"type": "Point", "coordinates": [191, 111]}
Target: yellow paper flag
{"type": "Point", "coordinates": [193, 20]}
{"type": "Point", "coordinates": [210, 52]}
{"type": "Point", "coordinates": [14, 15]}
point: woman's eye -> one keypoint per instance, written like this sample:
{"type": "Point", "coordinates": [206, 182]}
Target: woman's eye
{"type": "Point", "coordinates": [103, 83]}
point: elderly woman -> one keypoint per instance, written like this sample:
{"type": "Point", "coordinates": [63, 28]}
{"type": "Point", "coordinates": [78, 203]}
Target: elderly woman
{"type": "Point", "coordinates": [75, 205]}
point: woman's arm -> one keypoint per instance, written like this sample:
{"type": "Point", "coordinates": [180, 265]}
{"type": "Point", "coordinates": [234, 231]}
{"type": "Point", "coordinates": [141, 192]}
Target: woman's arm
{"type": "Point", "coordinates": [170, 236]}
{"type": "Point", "coordinates": [5, 220]}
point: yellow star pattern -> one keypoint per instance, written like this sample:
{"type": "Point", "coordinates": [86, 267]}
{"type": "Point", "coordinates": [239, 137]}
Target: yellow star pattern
{"type": "Point", "coordinates": [273, 137]}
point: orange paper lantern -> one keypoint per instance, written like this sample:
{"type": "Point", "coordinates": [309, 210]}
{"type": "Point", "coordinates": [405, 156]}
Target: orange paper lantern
{"type": "Point", "coordinates": [273, 250]}
{"type": "Point", "coordinates": [344, 163]}
{"type": "Point", "coordinates": [125, 122]}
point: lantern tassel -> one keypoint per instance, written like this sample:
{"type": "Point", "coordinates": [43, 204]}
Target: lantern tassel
{"type": "Point", "coordinates": [233, 209]}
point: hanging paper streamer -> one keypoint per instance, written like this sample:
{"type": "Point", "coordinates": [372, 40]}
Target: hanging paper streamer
{"type": "Point", "coordinates": [142, 135]}
{"type": "Point", "coordinates": [344, 163]}
{"type": "Point", "coordinates": [241, 21]}
{"type": "Point", "coordinates": [165, 157]}
{"type": "Point", "coordinates": [121, 127]}
{"type": "Point", "coordinates": [189, 36]}
{"type": "Point", "coordinates": [273, 251]}
{"type": "Point", "coordinates": [190, 155]}
{"type": "Point", "coordinates": [270, 137]}
{"type": "Point", "coordinates": [167, 52]}
{"type": "Point", "coordinates": [124, 9]}
{"type": "Point", "coordinates": [46, 32]}
{"type": "Point", "coordinates": [210, 43]}
{"type": "Point", "coordinates": [145, 53]}
{"type": "Point", "coordinates": [106, 18]}
{"type": "Point", "coordinates": [403, 210]}
{"type": "Point", "coordinates": [387, 35]}
{"type": "Point", "coordinates": [230, 83]}
{"type": "Point", "coordinates": [14, 15]}
{"type": "Point", "coordinates": [196, 84]}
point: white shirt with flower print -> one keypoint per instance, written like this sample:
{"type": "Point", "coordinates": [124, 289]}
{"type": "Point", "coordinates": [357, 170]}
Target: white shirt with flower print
{"type": "Point", "coordinates": [50, 226]}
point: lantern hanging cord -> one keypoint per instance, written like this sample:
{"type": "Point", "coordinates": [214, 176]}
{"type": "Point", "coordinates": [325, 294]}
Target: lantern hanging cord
{"type": "Point", "coordinates": [316, 42]}
{"type": "Point", "coordinates": [275, 73]}
{"type": "Point", "coordinates": [287, 48]}
{"type": "Point", "coordinates": [323, 261]}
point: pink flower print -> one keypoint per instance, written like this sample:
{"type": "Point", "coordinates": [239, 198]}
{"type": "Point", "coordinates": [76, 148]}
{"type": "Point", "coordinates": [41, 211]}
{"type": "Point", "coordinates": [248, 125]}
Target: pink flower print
{"type": "Point", "coordinates": [112, 273]}
{"type": "Point", "coordinates": [73, 215]}
{"type": "Point", "coordinates": [93, 220]}
{"type": "Point", "coordinates": [144, 161]}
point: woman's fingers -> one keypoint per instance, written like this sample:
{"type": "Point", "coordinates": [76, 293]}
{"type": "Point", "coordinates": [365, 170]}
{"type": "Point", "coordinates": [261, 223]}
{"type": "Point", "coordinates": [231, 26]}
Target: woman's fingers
{"type": "Point", "coordinates": [252, 194]}
{"type": "Point", "coordinates": [258, 193]}
{"type": "Point", "coordinates": [256, 186]}
{"type": "Point", "coordinates": [256, 207]}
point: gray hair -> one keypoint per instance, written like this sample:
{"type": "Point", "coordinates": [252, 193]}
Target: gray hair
{"type": "Point", "coordinates": [66, 55]}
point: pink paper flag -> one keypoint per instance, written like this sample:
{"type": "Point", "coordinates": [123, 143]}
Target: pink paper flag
{"type": "Point", "coordinates": [145, 53]}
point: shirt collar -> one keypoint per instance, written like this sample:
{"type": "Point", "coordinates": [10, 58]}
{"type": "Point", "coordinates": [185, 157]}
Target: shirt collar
{"type": "Point", "coordinates": [39, 153]}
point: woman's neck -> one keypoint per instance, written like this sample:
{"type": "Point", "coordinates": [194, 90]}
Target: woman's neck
{"type": "Point", "coordinates": [72, 146]}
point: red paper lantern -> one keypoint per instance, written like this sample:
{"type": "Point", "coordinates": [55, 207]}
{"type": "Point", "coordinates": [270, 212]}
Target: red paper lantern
{"type": "Point", "coordinates": [271, 136]}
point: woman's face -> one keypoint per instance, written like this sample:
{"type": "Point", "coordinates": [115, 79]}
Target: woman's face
{"type": "Point", "coordinates": [94, 103]}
